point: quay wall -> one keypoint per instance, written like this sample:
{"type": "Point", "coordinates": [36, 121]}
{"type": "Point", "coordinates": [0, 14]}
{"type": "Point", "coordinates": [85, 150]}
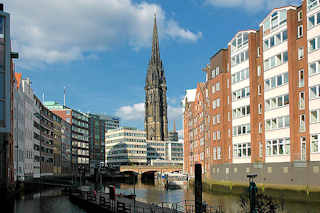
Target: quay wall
{"type": "Point", "coordinates": [295, 173]}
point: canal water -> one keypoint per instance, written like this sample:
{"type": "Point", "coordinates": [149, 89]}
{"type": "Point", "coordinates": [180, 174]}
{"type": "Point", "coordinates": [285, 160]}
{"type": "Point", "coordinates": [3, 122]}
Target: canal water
{"type": "Point", "coordinates": [53, 201]}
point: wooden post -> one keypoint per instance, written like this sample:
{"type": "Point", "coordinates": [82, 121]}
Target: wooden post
{"type": "Point", "coordinates": [198, 188]}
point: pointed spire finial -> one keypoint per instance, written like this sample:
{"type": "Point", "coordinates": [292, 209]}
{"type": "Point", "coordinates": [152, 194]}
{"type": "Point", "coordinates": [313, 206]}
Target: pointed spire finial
{"type": "Point", "coordinates": [155, 56]}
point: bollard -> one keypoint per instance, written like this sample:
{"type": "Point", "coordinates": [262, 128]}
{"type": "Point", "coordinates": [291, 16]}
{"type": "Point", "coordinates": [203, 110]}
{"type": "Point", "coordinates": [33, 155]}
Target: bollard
{"type": "Point", "coordinates": [252, 193]}
{"type": "Point", "coordinates": [198, 188]}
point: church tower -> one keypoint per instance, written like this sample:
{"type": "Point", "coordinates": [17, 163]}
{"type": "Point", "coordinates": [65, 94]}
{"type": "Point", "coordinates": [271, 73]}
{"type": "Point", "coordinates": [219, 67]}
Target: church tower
{"type": "Point", "coordinates": [156, 122]}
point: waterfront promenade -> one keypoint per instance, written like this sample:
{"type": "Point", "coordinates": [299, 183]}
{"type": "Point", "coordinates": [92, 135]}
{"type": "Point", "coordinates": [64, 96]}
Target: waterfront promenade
{"type": "Point", "coordinates": [101, 202]}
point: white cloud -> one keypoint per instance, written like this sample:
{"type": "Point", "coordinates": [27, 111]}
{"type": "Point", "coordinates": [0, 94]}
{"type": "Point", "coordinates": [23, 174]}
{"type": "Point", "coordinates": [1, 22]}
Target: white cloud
{"type": "Point", "coordinates": [252, 5]}
{"type": "Point", "coordinates": [135, 112]}
{"type": "Point", "coordinates": [131, 113]}
{"type": "Point", "coordinates": [59, 31]}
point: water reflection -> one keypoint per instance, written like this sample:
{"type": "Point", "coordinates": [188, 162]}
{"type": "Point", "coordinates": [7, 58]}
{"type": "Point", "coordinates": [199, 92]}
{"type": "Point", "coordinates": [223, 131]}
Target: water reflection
{"type": "Point", "coordinates": [53, 201]}
{"type": "Point", "coordinates": [50, 201]}
{"type": "Point", "coordinates": [230, 204]}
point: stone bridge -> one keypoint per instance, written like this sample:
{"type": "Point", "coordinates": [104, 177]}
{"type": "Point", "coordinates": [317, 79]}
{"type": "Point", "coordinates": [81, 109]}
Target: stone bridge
{"type": "Point", "coordinates": [142, 169]}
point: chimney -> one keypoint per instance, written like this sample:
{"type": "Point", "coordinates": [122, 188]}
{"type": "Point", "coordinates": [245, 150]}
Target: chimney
{"type": "Point", "coordinates": [1, 7]}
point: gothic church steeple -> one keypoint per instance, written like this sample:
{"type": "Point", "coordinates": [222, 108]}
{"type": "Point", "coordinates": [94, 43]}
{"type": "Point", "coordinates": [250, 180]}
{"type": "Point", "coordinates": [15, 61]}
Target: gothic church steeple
{"type": "Point", "coordinates": [156, 122]}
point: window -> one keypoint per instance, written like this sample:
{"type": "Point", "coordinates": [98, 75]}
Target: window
{"type": "Point", "coordinates": [315, 92]}
{"type": "Point", "coordinates": [241, 112]}
{"type": "Point", "coordinates": [302, 123]}
{"type": "Point", "coordinates": [218, 135]}
{"type": "Point", "coordinates": [314, 44]}
{"type": "Point", "coordinates": [260, 127]}
{"type": "Point", "coordinates": [239, 94]}
{"type": "Point", "coordinates": [311, 4]}
{"type": "Point", "coordinates": [314, 68]}
{"type": "Point", "coordinates": [218, 118]}
{"type": "Point", "coordinates": [219, 153]}
{"type": "Point", "coordinates": [260, 108]}
{"type": "Point", "coordinates": [279, 146]}
{"type": "Point", "coordinates": [241, 130]}
{"type": "Point", "coordinates": [240, 41]}
{"type": "Point", "coordinates": [300, 31]}
{"type": "Point", "coordinates": [275, 61]}
{"type": "Point", "coordinates": [300, 16]}
{"type": "Point", "coordinates": [275, 40]}
{"type": "Point", "coordinates": [300, 53]}
{"type": "Point", "coordinates": [259, 70]}
{"type": "Point", "coordinates": [277, 123]}
{"type": "Point", "coordinates": [242, 150]}
{"type": "Point", "coordinates": [258, 51]}
{"type": "Point", "coordinates": [260, 150]}
{"type": "Point", "coordinates": [240, 76]}
{"type": "Point", "coordinates": [213, 89]}
{"type": "Point", "coordinates": [218, 86]}
{"type": "Point", "coordinates": [228, 83]}
{"type": "Point", "coordinates": [315, 116]}
{"type": "Point", "coordinates": [301, 100]}
{"type": "Point", "coordinates": [239, 58]}
{"type": "Point", "coordinates": [276, 81]}
{"type": "Point", "coordinates": [301, 78]}
{"type": "Point", "coordinates": [259, 89]}
{"type": "Point", "coordinates": [315, 143]}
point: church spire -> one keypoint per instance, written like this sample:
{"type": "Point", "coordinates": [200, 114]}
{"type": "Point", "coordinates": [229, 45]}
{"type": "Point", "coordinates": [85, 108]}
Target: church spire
{"type": "Point", "coordinates": [155, 56]}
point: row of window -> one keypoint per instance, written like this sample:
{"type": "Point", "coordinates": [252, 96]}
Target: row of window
{"type": "Point", "coordinates": [276, 102]}
{"type": "Point", "coordinates": [242, 150]}
{"type": "Point", "coordinates": [277, 123]}
{"type": "Point", "coordinates": [126, 134]}
{"type": "Point", "coordinates": [276, 81]}
{"type": "Point", "coordinates": [239, 58]}
{"type": "Point", "coordinates": [79, 123]}
{"type": "Point", "coordinates": [275, 40]}
{"type": "Point", "coordinates": [241, 130]}
{"type": "Point", "coordinates": [276, 60]}
{"type": "Point", "coordinates": [240, 41]}
{"type": "Point", "coordinates": [241, 93]}
{"type": "Point", "coordinates": [241, 112]}
{"type": "Point", "coordinates": [278, 147]}
{"type": "Point", "coordinates": [240, 76]}
{"type": "Point", "coordinates": [277, 19]}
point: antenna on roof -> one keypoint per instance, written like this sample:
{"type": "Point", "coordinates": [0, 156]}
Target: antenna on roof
{"type": "Point", "coordinates": [64, 96]}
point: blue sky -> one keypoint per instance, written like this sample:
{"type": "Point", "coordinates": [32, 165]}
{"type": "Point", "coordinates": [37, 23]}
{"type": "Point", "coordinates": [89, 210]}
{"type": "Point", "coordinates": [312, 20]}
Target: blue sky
{"type": "Point", "coordinates": [99, 49]}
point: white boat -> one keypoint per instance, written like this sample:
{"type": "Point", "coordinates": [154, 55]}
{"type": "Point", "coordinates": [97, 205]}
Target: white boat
{"type": "Point", "coordinates": [174, 180]}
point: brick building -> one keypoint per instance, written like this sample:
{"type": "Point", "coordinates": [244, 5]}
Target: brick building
{"type": "Point", "coordinates": [260, 103]}
{"type": "Point", "coordinates": [79, 135]}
